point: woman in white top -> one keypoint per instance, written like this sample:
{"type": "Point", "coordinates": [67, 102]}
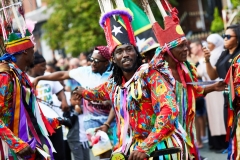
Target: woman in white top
{"type": "Point", "coordinates": [215, 100]}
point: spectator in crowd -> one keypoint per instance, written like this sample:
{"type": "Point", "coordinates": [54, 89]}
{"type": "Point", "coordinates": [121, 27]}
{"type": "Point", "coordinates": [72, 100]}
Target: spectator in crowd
{"type": "Point", "coordinates": [217, 134]}
{"type": "Point", "coordinates": [147, 49]}
{"type": "Point", "coordinates": [196, 50]}
{"type": "Point", "coordinates": [76, 136]}
{"type": "Point", "coordinates": [71, 84]}
{"type": "Point", "coordinates": [50, 68]}
{"type": "Point", "coordinates": [220, 69]}
{"type": "Point", "coordinates": [95, 113]}
{"type": "Point", "coordinates": [83, 59]}
{"type": "Point", "coordinates": [45, 89]}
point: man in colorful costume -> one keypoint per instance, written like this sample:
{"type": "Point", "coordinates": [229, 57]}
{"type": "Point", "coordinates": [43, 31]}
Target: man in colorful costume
{"type": "Point", "coordinates": [142, 97]}
{"type": "Point", "coordinates": [233, 124]}
{"type": "Point", "coordinates": [173, 51]}
{"type": "Point", "coordinates": [24, 129]}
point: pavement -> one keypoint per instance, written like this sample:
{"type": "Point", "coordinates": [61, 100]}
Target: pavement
{"type": "Point", "coordinates": [205, 152]}
{"type": "Point", "coordinates": [211, 155]}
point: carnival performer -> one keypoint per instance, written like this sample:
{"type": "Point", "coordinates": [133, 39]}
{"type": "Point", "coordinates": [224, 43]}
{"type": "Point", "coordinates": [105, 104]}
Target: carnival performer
{"type": "Point", "coordinates": [142, 97]}
{"type": "Point", "coordinates": [24, 129]}
{"type": "Point", "coordinates": [173, 50]}
{"type": "Point", "coordinates": [233, 123]}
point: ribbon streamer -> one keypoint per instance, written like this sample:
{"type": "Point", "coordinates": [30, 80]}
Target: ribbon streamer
{"type": "Point", "coordinates": [204, 83]}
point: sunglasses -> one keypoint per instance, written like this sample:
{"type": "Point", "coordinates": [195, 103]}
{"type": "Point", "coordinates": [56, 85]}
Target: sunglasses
{"type": "Point", "coordinates": [227, 36]}
{"type": "Point", "coordinates": [96, 61]}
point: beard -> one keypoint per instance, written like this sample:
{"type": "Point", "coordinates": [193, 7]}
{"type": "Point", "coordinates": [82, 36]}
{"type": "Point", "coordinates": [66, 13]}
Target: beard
{"type": "Point", "coordinates": [131, 69]}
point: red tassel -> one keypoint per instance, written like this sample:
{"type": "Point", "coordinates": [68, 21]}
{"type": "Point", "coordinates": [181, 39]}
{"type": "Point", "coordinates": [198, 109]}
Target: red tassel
{"type": "Point", "coordinates": [166, 5]}
{"type": "Point", "coordinates": [229, 123]}
{"type": "Point", "coordinates": [47, 125]}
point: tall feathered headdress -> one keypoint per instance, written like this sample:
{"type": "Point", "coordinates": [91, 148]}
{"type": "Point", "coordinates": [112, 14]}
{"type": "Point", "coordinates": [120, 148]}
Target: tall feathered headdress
{"type": "Point", "coordinates": [172, 30]}
{"type": "Point", "coordinates": [116, 24]}
{"type": "Point", "coordinates": [14, 41]}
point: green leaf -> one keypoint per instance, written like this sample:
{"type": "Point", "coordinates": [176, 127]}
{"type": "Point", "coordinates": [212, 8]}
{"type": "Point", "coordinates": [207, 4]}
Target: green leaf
{"type": "Point", "coordinates": [217, 23]}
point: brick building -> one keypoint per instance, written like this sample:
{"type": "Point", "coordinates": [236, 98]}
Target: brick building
{"type": "Point", "coordinates": [197, 15]}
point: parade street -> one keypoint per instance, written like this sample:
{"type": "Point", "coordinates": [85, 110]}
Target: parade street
{"type": "Point", "coordinates": [211, 155]}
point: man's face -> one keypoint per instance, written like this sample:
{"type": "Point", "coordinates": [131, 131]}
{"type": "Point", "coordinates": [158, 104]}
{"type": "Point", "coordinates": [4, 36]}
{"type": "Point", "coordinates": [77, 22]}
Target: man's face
{"type": "Point", "coordinates": [195, 48]}
{"type": "Point", "coordinates": [39, 69]}
{"type": "Point", "coordinates": [149, 55]}
{"type": "Point", "coordinates": [98, 63]}
{"type": "Point", "coordinates": [180, 52]}
{"type": "Point", "coordinates": [125, 57]}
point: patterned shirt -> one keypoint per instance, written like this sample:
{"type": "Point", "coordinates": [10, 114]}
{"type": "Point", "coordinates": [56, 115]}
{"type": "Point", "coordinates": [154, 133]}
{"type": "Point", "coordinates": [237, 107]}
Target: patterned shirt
{"type": "Point", "coordinates": [9, 100]}
{"type": "Point", "coordinates": [185, 97]}
{"type": "Point", "coordinates": [236, 76]}
{"type": "Point", "coordinates": [6, 114]}
{"type": "Point", "coordinates": [186, 100]}
{"type": "Point", "coordinates": [151, 107]}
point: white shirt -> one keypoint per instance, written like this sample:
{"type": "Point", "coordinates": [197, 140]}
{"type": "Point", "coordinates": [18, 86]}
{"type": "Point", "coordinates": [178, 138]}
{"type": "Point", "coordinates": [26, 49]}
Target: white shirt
{"type": "Point", "coordinates": [87, 78]}
{"type": "Point", "coordinates": [45, 91]}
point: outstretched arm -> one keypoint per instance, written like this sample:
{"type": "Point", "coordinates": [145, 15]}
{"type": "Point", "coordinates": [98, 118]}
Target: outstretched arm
{"type": "Point", "coordinates": [199, 91]}
{"type": "Point", "coordinates": [57, 76]}
{"type": "Point", "coordinates": [100, 93]}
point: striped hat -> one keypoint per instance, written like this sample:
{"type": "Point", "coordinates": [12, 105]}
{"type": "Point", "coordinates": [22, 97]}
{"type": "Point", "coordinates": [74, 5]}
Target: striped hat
{"type": "Point", "coordinates": [16, 43]}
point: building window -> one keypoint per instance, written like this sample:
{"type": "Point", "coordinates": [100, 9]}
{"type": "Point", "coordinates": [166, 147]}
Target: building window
{"type": "Point", "coordinates": [39, 3]}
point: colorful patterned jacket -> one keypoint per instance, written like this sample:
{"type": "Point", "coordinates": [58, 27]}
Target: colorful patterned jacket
{"type": "Point", "coordinates": [18, 106]}
{"type": "Point", "coordinates": [233, 132]}
{"type": "Point", "coordinates": [146, 111]}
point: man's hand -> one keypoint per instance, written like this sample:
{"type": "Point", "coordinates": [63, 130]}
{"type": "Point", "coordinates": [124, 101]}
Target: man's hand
{"type": "Point", "coordinates": [35, 82]}
{"type": "Point", "coordinates": [136, 155]}
{"type": "Point", "coordinates": [78, 92]}
{"type": "Point", "coordinates": [103, 128]}
{"type": "Point", "coordinates": [220, 86]}
{"type": "Point", "coordinates": [27, 151]}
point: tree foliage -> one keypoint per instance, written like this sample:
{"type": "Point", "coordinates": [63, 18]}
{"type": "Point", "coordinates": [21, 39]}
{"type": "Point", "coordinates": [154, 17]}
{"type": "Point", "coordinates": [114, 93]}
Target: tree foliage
{"type": "Point", "coordinates": [74, 25]}
{"type": "Point", "coordinates": [217, 23]}
{"type": "Point", "coordinates": [235, 3]}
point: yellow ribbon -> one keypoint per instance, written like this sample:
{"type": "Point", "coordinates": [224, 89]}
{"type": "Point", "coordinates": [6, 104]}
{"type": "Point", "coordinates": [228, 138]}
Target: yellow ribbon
{"type": "Point", "coordinates": [139, 89]}
{"type": "Point", "coordinates": [17, 107]}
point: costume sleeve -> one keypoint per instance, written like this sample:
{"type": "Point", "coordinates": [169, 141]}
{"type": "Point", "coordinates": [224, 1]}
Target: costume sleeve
{"type": "Point", "coordinates": [165, 109]}
{"type": "Point", "coordinates": [6, 113]}
{"type": "Point", "coordinates": [236, 78]}
{"type": "Point", "coordinates": [100, 93]}
{"type": "Point", "coordinates": [198, 90]}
